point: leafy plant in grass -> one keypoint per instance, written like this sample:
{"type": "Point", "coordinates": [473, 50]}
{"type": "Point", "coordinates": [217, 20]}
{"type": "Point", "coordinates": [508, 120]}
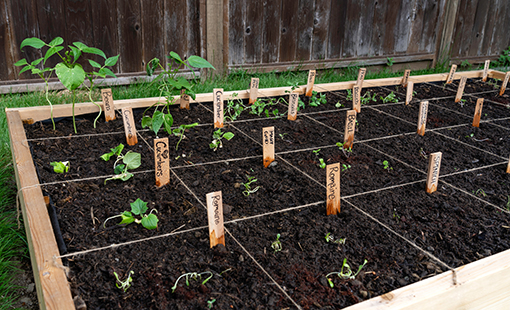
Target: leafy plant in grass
{"type": "Point", "coordinates": [247, 186]}
{"type": "Point", "coordinates": [138, 207]}
{"type": "Point", "coordinates": [60, 166]}
{"type": "Point", "coordinates": [131, 160]}
{"type": "Point", "coordinates": [391, 97]}
{"type": "Point", "coordinates": [218, 136]}
{"type": "Point", "coordinates": [124, 285]}
{"type": "Point", "coordinates": [68, 71]}
{"type": "Point", "coordinates": [504, 58]}
{"type": "Point", "coordinates": [179, 132]}
{"type": "Point", "coordinates": [194, 276]}
{"type": "Point", "coordinates": [317, 99]}
{"type": "Point", "coordinates": [169, 83]}
{"type": "Point", "coordinates": [345, 272]}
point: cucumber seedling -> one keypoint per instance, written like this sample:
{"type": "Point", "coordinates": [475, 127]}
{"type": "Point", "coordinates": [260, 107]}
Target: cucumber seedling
{"type": "Point", "coordinates": [247, 186]}
{"type": "Point", "coordinates": [329, 238]}
{"type": "Point", "coordinates": [317, 99]}
{"type": "Point", "coordinates": [194, 276]}
{"type": "Point", "coordinates": [345, 272]}
{"type": "Point", "coordinates": [131, 160]}
{"type": "Point", "coordinates": [60, 166]}
{"type": "Point", "coordinates": [277, 245]}
{"type": "Point", "coordinates": [390, 98]}
{"type": "Point", "coordinates": [179, 132]}
{"type": "Point", "coordinates": [138, 207]}
{"type": "Point", "coordinates": [218, 135]}
{"type": "Point", "coordinates": [124, 285]}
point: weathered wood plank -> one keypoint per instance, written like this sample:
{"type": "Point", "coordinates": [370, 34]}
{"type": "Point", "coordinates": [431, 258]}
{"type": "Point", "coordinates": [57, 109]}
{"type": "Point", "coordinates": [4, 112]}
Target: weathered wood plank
{"type": "Point", "coordinates": [152, 17]}
{"type": "Point", "coordinates": [320, 29]}
{"type": "Point", "coordinates": [390, 22]}
{"type": "Point", "coordinates": [7, 50]}
{"type": "Point", "coordinates": [353, 18]}
{"type": "Point", "coordinates": [194, 32]}
{"type": "Point", "coordinates": [478, 29]}
{"type": "Point", "coordinates": [304, 29]}
{"type": "Point", "coordinates": [289, 35]}
{"type": "Point", "coordinates": [464, 25]}
{"type": "Point", "coordinates": [379, 28]}
{"type": "Point", "coordinates": [105, 29]}
{"type": "Point", "coordinates": [271, 31]}
{"type": "Point", "coordinates": [364, 39]}
{"type": "Point", "coordinates": [130, 36]}
{"type": "Point", "coordinates": [402, 29]}
{"type": "Point", "coordinates": [336, 31]}
{"type": "Point", "coordinates": [253, 32]}
{"type": "Point", "coordinates": [52, 24]}
{"type": "Point", "coordinates": [235, 36]}
{"type": "Point", "coordinates": [176, 24]}
{"type": "Point", "coordinates": [77, 21]}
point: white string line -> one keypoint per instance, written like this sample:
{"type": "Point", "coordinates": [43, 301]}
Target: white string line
{"type": "Point", "coordinates": [77, 136]}
{"type": "Point", "coordinates": [472, 169]}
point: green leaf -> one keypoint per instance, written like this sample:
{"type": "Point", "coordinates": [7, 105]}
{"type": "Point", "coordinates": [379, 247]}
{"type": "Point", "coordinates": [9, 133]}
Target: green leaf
{"type": "Point", "coordinates": [127, 218]}
{"type": "Point", "coordinates": [36, 62]}
{"type": "Point", "coordinates": [146, 121]}
{"type": "Point", "coordinates": [118, 149]}
{"type": "Point", "coordinates": [80, 45]}
{"type": "Point", "coordinates": [26, 69]}
{"type": "Point", "coordinates": [132, 160]}
{"type": "Point", "coordinates": [199, 62]}
{"type": "Point", "coordinates": [72, 78]}
{"type": "Point", "coordinates": [52, 51]}
{"type": "Point", "coordinates": [168, 122]}
{"type": "Point", "coordinates": [107, 71]}
{"type": "Point", "coordinates": [95, 51]}
{"type": "Point", "coordinates": [189, 126]}
{"type": "Point", "coordinates": [119, 169]}
{"type": "Point", "coordinates": [158, 118]}
{"type": "Point", "coordinates": [21, 62]}
{"type": "Point", "coordinates": [33, 42]}
{"type": "Point", "coordinates": [138, 207]}
{"type": "Point", "coordinates": [94, 64]}
{"type": "Point", "coordinates": [106, 157]}
{"type": "Point", "coordinates": [228, 135]}
{"type": "Point", "coordinates": [151, 66]}
{"type": "Point", "coordinates": [150, 221]}
{"type": "Point", "coordinates": [111, 61]}
{"type": "Point", "coordinates": [76, 52]}
{"type": "Point", "coordinates": [60, 167]}
{"type": "Point", "coordinates": [56, 41]}
{"type": "Point", "coordinates": [175, 56]}
{"type": "Point", "coordinates": [126, 176]}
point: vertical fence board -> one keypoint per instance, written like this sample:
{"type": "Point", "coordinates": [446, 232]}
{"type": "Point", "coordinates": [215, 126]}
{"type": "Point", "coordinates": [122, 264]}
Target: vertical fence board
{"type": "Point", "coordinates": [193, 28]}
{"type": "Point", "coordinates": [52, 24]}
{"type": "Point", "coordinates": [288, 37]}
{"type": "Point", "coordinates": [352, 19]}
{"type": "Point", "coordinates": [390, 22]}
{"type": "Point", "coordinates": [236, 32]}
{"type": "Point", "coordinates": [478, 28]}
{"type": "Point", "coordinates": [336, 30]}
{"type": "Point", "coordinates": [320, 29]}
{"type": "Point", "coordinates": [492, 15]}
{"type": "Point", "coordinates": [431, 14]}
{"type": "Point", "coordinates": [105, 28]}
{"type": "Point", "coordinates": [501, 39]}
{"type": "Point", "coordinates": [176, 28]}
{"type": "Point", "coordinates": [271, 31]}
{"type": "Point", "coordinates": [152, 18]}
{"type": "Point", "coordinates": [78, 21]}
{"type": "Point", "coordinates": [7, 50]}
{"type": "Point", "coordinates": [403, 27]}
{"type": "Point", "coordinates": [365, 29]}
{"type": "Point", "coordinates": [304, 29]}
{"type": "Point", "coordinates": [379, 28]}
{"type": "Point", "coordinates": [253, 32]}
{"type": "Point", "coordinates": [463, 35]}
{"type": "Point", "coordinates": [130, 36]}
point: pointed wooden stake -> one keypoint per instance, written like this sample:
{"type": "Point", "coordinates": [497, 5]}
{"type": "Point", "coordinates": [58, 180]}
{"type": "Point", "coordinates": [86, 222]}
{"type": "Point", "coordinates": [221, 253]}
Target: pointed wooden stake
{"type": "Point", "coordinates": [433, 173]}
{"type": "Point", "coordinates": [460, 90]}
{"type": "Point", "coordinates": [407, 73]}
{"type": "Point", "coordinates": [356, 98]}
{"type": "Point", "coordinates": [218, 107]}
{"type": "Point", "coordinates": [184, 100]}
{"type": "Point", "coordinates": [161, 162]}
{"type": "Point", "coordinates": [215, 218]}
{"type": "Point", "coordinates": [508, 167]}
{"type": "Point", "coordinates": [361, 77]}
{"type": "Point", "coordinates": [350, 126]}
{"type": "Point", "coordinates": [449, 80]}
{"type": "Point", "coordinates": [478, 112]}
{"type": "Point", "coordinates": [409, 93]}
{"type": "Point", "coordinates": [254, 89]}
{"type": "Point", "coordinates": [129, 126]}
{"type": "Point", "coordinates": [310, 82]}
{"type": "Point", "coordinates": [293, 105]}
{"type": "Point", "coordinates": [108, 105]}
{"type": "Point", "coordinates": [505, 82]}
{"type": "Point", "coordinates": [333, 189]}
{"type": "Point", "coordinates": [422, 117]}
{"type": "Point", "coordinates": [268, 145]}
{"type": "Point", "coordinates": [486, 70]}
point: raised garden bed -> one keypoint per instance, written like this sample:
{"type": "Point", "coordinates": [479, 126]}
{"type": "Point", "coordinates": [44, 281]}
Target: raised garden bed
{"type": "Point", "coordinates": [447, 249]}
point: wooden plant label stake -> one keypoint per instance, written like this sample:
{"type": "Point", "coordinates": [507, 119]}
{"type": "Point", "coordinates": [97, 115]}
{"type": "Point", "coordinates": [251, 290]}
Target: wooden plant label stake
{"type": "Point", "coordinates": [409, 93]}
{"type": "Point", "coordinates": [460, 90]}
{"type": "Point", "coordinates": [215, 218]}
{"type": "Point", "coordinates": [108, 105]}
{"type": "Point", "coordinates": [129, 126]}
{"type": "Point", "coordinates": [268, 145]}
{"type": "Point", "coordinates": [449, 80]}
{"type": "Point", "coordinates": [333, 189]}
{"type": "Point", "coordinates": [478, 112]}
{"type": "Point", "coordinates": [361, 77]}
{"type": "Point", "coordinates": [356, 98]}
{"type": "Point", "coordinates": [350, 126]}
{"type": "Point", "coordinates": [407, 73]}
{"type": "Point", "coordinates": [293, 105]}
{"type": "Point", "coordinates": [310, 82]}
{"type": "Point", "coordinates": [161, 161]}
{"type": "Point", "coordinates": [508, 167]}
{"type": "Point", "coordinates": [254, 89]}
{"type": "Point", "coordinates": [422, 117]}
{"type": "Point", "coordinates": [503, 86]}
{"type": "Point", "coordinates": [486, 70]}
{"type": "Point", "coordinates": [218, 107]}
{"type": "Point", "coordinates": [184, 100]}
{"type": "Point", "coordinates": [433, 173]}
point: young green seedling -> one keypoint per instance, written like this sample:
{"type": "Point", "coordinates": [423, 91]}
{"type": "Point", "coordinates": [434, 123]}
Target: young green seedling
{"type": "Point", "coordinates": [124, 285]}
{"type": "Point", "coordinates": [218, 135]}
{"type": "Point", "coordinates": [277, 245]}
{"type": "Point", "coordinates": [508, 204]}
{"type": "Point", "coordinates": [480, 192]}
{"type": "Point", "coordinates": [339, 105]}
{"type": "Point", "coordinates": [367, 97]}
{"type": "Point", "coordinates": [390, 98]}
{"type": "Point", "coordinates": [60, 166]}
{"type": "Point", "coordinates": [345, 167]}
{"type": "Point", "coordinates": [233, 108]}
{"type": "Point", "coordinates": [131, 160]}
{"type": "Point", "coordinates": [210, 303]}
{"type": "Point", "coordinates": [247, 186]}
{"type": "Point", "coordinates": [345, 275]}
{"type": "Point", "coordinates": [179, 132]}
{"type": "Point", "coordinates": [194, 276]}
{"type": "Point", "coordinates": [138, 207]}
{"type": "Point", "coordinates": [329, 238]}
{"type": "Point", "coordinates": [317, 99]}
{"type": "Point", "coordinates": [322, 163]}
{"type": "Point", "coordinates": [386, 165]}
{"type": "Point", "coordinates": [344, 150]}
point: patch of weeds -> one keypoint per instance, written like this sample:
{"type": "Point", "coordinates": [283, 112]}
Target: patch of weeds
{"type": "Point", "coordinates": [390, 98]}
{"type": "Point", "coordinates": [138, 207]}
{"type": "Point", "coordinates": [389, 61]}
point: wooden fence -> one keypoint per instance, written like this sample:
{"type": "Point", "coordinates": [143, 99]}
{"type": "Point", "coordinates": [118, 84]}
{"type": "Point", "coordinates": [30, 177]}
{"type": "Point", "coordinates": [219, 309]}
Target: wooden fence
{"type": "Point", "coordinates": [260, 34]}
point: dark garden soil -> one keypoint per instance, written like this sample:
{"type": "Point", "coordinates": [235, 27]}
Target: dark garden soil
{"type": "Point", "coordinates": [382, 185]}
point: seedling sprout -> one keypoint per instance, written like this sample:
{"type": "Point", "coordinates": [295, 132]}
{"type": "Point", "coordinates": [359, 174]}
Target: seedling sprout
{"type": "Point", "coordinates": [131, 160]}
{"type": "Point", "coordinates": [194, 276]}
{"type": "Point", "coordinates": [179, 132]}
{"type": "Point", "coordinates": [210, 303]}
{"type": "Point", "coordinates": [329, 238]}
{"type": "Point", "coordinates": [248, 190]}
{"type": "Point", "coordinates": [277, 245]}
{"type": "Point", "coordinates": [386, 165]}
{"type": "Point", "coordinates": [138, 207]}
{"type": "Point", "coordinates": [124, 285]}
{"type": "Point", "coordinates": [60, 166]}
{"type": "Point", "coordinates": [217, 137]}
{"type": "Point", "coordinates": [345, 275]}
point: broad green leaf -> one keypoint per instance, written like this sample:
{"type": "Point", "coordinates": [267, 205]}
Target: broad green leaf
{"type": "Point", "coordinates": [36, 62]}
{"type": "Point", "coordinates": [21, 62]}
{"type": "Point", "coordinates": [52, 51]}
{"type": "Point", "coordinates": [132, 160]}
{"type": "Point", "coordinates": [158, 118]}
{"type": "Point", "coordinates": [228, 135]}
{"type": "Point", "coordinates": [127, 218]}
{"type": "Point", "coordinates": [111, 61]}
{"type": "Point", "coordinates": [95, 51]}
{"type": "Point", "coordinates": [191, 93]}
{"type": "Point", "coordinates": [107, 71]}
{"type": "Point", "coordinates": [146, 121]}
{"type": "Point", "coordinates": [150, 221]}
{"type": "Point", "coordinates": [169, 121]}
{"type": "Point", "coordinates": [138, 207]}
{"type": "Point", "coordinates": [33, 42]}
{"type": "Point", "coordinates": [107, 156]}
{"type": "Point", "coordinates": [26, 68]}
{"type": "Point", "coordinates": [119, 169]}
{"type": "Point", "coordinates": [199, 62]}
{"type": "Point", "coordinates": [189, 126]}
{"type": "Point", "coordinates": [56, 41]}
{"type": "Point", "coordinates": [94, 64]}
{"type": "Point", "coordinates": [59, 167]}
{"type": "Point", "coordinates": [72, 78]}
{"type": "Point", "coordinates": [80, 45]}
{"type": "Point", "coordinates": [76, 52]}
{"type": "Point", "coordinates": [175, 56]}
{"type": "Point", "coordinates": [126, 176]}
{"type": "Point", "coordinates": [118, 149]}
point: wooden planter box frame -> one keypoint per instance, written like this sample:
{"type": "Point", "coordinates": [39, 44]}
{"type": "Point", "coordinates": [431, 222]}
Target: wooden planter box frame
{"type": "Point", "coordinates": [484, 284]}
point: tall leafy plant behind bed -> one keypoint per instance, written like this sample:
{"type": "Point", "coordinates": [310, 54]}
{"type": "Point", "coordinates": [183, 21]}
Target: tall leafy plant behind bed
{"type": "Point", "coordinates": [68, 71]}
{"type": "Point", "coordinates": [170, 82]}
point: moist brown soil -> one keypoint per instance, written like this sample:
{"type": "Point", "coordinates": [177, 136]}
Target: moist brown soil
{"type": "Point", "coordinates": [382, 185]}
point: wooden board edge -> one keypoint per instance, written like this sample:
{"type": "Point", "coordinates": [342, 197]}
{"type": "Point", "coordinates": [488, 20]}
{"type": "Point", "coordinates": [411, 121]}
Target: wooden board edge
{"type": "Point", "coordinates": [481, 285]}
{"type": "Point", "coordinates": [53, 290]}
{"type": "Point", "coordinates": [495, 74]}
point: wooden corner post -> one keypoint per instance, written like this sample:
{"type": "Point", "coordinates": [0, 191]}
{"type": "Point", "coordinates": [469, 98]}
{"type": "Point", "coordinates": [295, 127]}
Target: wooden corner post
{"type": "Point", "coordinates": [333, 189]}
{"type": "Point", "coordinates": [215, 218]}
{"type": "Point", "coordinates": [433, 172]}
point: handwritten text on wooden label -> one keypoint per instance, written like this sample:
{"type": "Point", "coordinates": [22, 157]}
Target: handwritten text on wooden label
{"type": "Point", "coordinates": [333, 189]}
{"type": "Point", "coordinates": [422, 117]}
{"type": "Point", "coordinates": [361, 77]}
{"type": "Point", "coordinates": [356, 98]}
{"type": "Point", "coordinates": [478, 112]}
{"type": "Point", "coordinates": [433, 173]}
{"type": "Point", "coordinates": [310, 82]}
{"type": "Point", "coordinates": [293, 105]}
{"type": "Point", "coordinates": [460, 90]}
{"type": "Point", "coordinates": [409, 93]}
{"type": "Point", "coordinates": [486, 70]}
{"type": "Point", "coordinates": [406, 77]}
{"type": "Point", "coordinates": [449, 80]}
{"type": "Point", "coordinates": [108, 105]}
{"type": "Point", "coordinates": [129, 126]}
{"type": "Point", "coordinates": [215, 218]}
{"type": "Point", "coordinates": [254, 89]}
{"type": "Point", "coordinates": [184, 100]}
{"type": "Point", "coordinates": [162, 161]}
{"type": "Point", "coordinates": [505, 82]}
{"type": "Point", "coordinates": [218, 107]}
{"type": "Point", "coordinates": [350, 127]}
{"type": "Point", "coordinates": [268, 145]}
